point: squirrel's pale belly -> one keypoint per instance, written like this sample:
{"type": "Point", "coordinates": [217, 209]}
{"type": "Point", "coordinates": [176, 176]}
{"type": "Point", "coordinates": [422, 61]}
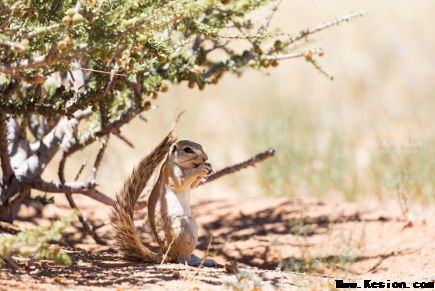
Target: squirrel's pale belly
{"type": "Point", "coordinates": [178, 203]}
{"type": "Point", "coordinates": [180, 213]}
{"type": "Point", "coordinates": [184, 236]}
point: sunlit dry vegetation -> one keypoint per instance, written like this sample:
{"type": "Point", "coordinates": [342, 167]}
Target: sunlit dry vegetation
{"type": "Point", "coordinates": [351, 188]}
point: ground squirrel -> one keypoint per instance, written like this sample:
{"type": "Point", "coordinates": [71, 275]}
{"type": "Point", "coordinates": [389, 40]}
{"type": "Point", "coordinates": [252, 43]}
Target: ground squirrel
{"type": "Point", "coordinates": [169, 210]}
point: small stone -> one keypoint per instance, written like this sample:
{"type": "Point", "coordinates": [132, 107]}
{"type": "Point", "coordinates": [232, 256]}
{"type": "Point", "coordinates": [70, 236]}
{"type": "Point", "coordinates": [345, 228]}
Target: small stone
{"type": "Point", "coordinates": [176, 275]}
{"type": "Point", "coordinates": [231, 267]}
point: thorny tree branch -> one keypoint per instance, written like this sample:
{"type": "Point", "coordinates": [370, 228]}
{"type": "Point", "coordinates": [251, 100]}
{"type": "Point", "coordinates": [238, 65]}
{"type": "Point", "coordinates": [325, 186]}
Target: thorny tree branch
{"type": "Point", "coordinates": [268, 19]}
{"type": "Point", "coordinates": [310, 31]}
{"type": "Point", "coordinates": [301, 35]}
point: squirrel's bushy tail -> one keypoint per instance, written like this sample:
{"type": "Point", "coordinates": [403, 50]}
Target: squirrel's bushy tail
{"type": "Point", "coordinates": [127, 238]}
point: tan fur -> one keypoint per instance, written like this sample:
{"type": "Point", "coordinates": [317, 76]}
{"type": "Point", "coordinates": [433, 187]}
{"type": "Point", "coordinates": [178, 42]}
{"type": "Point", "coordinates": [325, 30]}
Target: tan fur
{"type": "Point", "coordinates": [127, 238]}
{"type": "Point", "coordinates": [168, 206]}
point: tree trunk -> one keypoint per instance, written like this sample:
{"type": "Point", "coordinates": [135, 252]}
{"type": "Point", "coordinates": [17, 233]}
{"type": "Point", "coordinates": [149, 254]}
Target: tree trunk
{"type": "Point", "coordinates": [9, 210]}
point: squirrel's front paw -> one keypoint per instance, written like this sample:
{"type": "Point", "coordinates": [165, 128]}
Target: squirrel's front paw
{"type": "Point", "coordinates": [206, 169]}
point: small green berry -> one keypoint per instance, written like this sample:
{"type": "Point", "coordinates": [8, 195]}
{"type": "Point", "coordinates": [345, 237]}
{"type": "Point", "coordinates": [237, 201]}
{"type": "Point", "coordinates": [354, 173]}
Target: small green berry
{"type": "Point", "coordinates": [142, 39]}
{"type": "Point", "coordinates": [164, 87]}
{"type": "Point", "coordinates": [162, 58]}
{"type": "Point", "coordinates": [70, 12]}
{"type": "Point", "coordinates": [61, 45]}
{"type": "Point", "coordinates": [252, 63]}
{"type": "Point", "coordinates": [77, 18]}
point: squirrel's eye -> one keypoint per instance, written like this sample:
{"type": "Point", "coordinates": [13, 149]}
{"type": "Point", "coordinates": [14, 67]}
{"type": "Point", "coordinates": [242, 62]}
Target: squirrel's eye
{"type": "Point", "coordinates": [188, 150]}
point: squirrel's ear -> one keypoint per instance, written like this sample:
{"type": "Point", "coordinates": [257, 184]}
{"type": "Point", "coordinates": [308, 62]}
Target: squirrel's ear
{"type": "Point", "coordinates": [173, 148]}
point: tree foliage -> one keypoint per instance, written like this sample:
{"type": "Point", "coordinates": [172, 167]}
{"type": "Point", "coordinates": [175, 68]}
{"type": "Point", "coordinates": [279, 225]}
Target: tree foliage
{"type": "Point", "coordinates": [130, 50]}
{"type": "Point", "coordinates": [75, 72]}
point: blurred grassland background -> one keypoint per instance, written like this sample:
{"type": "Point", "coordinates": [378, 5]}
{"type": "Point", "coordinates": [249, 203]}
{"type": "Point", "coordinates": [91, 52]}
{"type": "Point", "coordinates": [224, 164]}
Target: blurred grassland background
{"type": "Point", "coordinates": [370, 133]}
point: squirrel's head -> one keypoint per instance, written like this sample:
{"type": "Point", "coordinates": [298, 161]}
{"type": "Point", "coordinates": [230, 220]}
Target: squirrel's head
{"type": "Point", "coordinates": [187, 154]}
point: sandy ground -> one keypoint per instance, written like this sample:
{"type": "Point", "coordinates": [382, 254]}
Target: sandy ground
{"type": "Point", "coordinates": [279, 244]}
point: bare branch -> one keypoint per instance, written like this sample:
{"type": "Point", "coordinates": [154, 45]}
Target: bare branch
{"type": "Point", "coordinates": [301, 35]}
{"type": "Point", "coordinates": [111, 127]}
{"type": "Point", "coordinates": [141, 117]}
{"type": "Point", "coordinates": [84, 221]}
{"type": "Point", "coordinates": [268, 19]}
{"type": "Point", "coordinates": [99, 157]}
{"type": "Point", "coordinates": [36, 62]}
{"type": "Point", "coordinates": [77, 188]}
{"type": "Point", "coordinates": [52, 187]}
{"type": "Point", "coordinates": [45, 149]}
{"type": "Point", "coordinates": [237, 167]}
{"type": "Point", "coordinates": [299, 54]}
{"type": "Point", "coordinates": [284, 56]}
{"type": "Point", "coordinates": [46, 29]}
{"type": "Point", "coordinates": [81, 114]}
{"type": "Point", "coordinates": [73, 187]}
{"type": "Point", "coordinates": [323, 26]}
{"type": "Point", "coordinates": [96, 195]}
{"type": "Point", "coordinates": [124, 139]}
{"type": "Point", "coordinates": [79, 172]}
{"type": "Point", "coordinates": [102, 72]}
{"type": "Point", "coordinates": [87, 228]}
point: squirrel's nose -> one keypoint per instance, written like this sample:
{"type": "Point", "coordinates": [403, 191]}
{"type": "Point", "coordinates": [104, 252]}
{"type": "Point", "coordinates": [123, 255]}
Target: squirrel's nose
{"type": "Point", "coordinates": [204, 157]}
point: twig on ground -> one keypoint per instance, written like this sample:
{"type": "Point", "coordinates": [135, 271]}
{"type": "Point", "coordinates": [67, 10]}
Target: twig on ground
{"type": "Point", "coordinates": [11, 262]}
{"type": "Point", "coordinates": [9, 228]}
{"type": "Point", "coordinates": [165, 255]}
{"type": "Point", "coordinates": [204, 257]}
